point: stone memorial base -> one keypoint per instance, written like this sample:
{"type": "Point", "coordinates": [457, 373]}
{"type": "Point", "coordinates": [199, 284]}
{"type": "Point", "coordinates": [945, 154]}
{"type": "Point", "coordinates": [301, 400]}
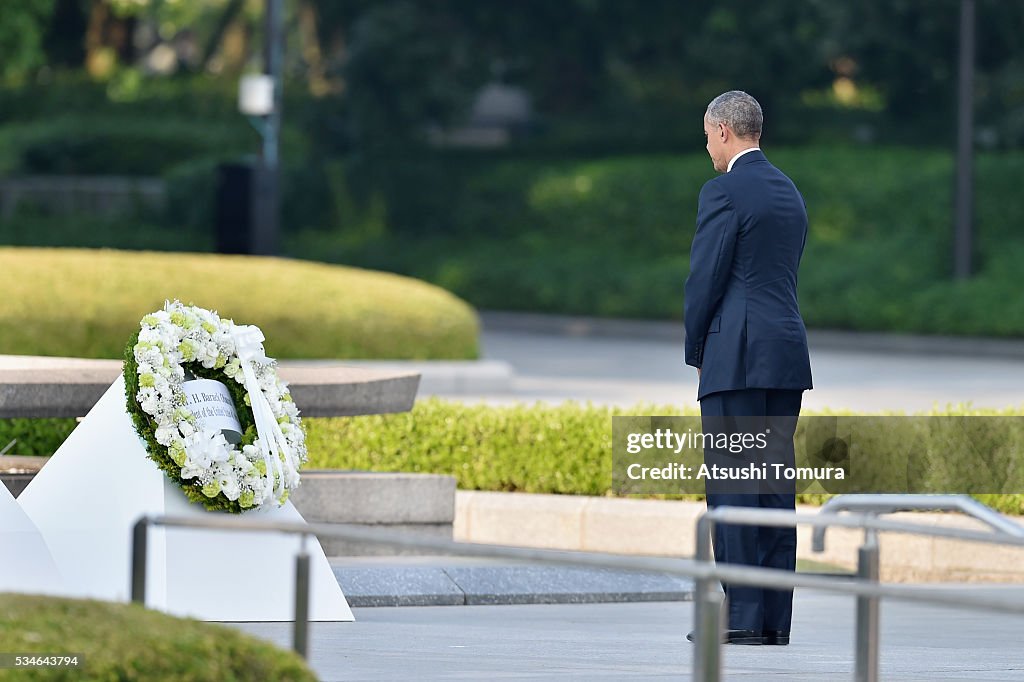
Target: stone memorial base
{"type": "Point", "coordinates": [416, 503]}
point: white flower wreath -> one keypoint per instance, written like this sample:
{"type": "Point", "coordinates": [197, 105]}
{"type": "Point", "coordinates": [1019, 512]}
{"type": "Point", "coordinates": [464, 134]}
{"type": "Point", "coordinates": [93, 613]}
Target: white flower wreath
{"type": "Point", "coordinates": [215, 416]}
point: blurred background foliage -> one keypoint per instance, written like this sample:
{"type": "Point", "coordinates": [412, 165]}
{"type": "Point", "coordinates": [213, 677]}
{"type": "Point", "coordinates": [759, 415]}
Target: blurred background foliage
{"type": "Point", "coordinates": [539, 155]}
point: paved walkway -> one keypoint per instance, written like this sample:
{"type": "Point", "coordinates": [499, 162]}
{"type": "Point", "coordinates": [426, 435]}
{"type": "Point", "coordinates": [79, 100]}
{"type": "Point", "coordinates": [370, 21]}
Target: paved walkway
{"type": "Point", "coordinates": [458, 581]}
{"type": "Point", "coordinates": [646, 641]}
{"type": "Point", "coordinates": [629, 362]}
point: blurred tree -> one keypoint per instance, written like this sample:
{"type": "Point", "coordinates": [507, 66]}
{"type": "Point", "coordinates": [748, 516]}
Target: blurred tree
{"type": "Point", "coordinates": [593, 68]}
{"type": "Point", "coordinates": [906, 49]}
{"type": "Point", "coordinates": [409, 65]}
{"type": "Point", "coordinates": [108, 38]}
{"type": "Point", "coordinates": [228, 15]}
{"type": "Point", "coordinates": [22, 24]}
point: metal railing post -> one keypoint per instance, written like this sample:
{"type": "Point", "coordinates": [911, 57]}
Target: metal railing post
{"type": "Point", "coordinates": [708, 656]}
{"type": "Point", "coordinates": [300, 636]}
{"type": "Point", "coordinates": [867, 642]}
{"type": "Point", "coordinates": [139, 552]}
{"type": "Point", "coordinates": [707, 613]}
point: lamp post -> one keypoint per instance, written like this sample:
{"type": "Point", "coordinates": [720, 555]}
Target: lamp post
{"type": "Point", "coordinates": [259, 98]}
{"type": "Point", "coordinates": [963, 246]}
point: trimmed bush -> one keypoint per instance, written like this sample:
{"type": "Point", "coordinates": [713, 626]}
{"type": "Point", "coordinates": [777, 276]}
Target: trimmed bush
{"type": "Point", "coordinates": [196, 98]}
{"type": "Point", "coordinates": [134, 146]}
{"type": "Point", "coordinates": [564, 448]}
{"type": "Point", "coordinates": [140, 232]}
{"type": "Point", "coordinates": [40, 437]}
{"type": "Point", "coordinates": [88, 303]}
{"type": "Point", "coordinates": [129, 643]}
{"type": "Point", "coordinates": [610, 237]}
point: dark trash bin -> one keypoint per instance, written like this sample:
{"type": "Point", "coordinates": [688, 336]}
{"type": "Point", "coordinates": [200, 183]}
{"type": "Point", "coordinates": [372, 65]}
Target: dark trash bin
{"type": "Point", "coordinates": [245, 208]}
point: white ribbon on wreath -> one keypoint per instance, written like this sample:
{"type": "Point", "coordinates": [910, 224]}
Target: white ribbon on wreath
{"type": "Point", "coordinates": [277, 455]}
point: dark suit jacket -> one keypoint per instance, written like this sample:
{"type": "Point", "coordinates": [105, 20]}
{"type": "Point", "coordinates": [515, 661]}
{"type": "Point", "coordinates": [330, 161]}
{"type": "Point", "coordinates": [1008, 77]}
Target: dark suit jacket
{"type": "Point", "coordinates": [743, 324]}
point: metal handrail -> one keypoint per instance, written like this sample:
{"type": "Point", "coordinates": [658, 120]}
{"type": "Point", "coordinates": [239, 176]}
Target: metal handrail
{"type": "Point", "coordinates": [889, 504]}
{"type": "Point", "coordinates": [398, 538]}
{"type": "Point", "coordinates": [709, 602]}
{"type": "Point", "coordinates": [868, 555]}
{"type": "Point", "coordinates": [703, 571]}
{"type": "Point", "coordinates": [781, 518]}
{"type": "Point", "coordinates": [140, 552]}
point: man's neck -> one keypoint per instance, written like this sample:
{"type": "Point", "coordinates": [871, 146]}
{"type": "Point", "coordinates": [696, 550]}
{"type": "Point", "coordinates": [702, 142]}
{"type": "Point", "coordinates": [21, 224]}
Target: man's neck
{"type": "Point", "coordinates": [752, 147]}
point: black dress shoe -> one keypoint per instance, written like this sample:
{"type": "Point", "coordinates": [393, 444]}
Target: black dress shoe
{"type": "Point", "coordinates": [748, 637]}
{"type": "Point", "coordinates": [775, 637]}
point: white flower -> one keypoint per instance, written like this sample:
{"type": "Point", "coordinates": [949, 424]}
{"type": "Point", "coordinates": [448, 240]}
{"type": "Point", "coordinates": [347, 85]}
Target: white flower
{"type": "Point", "coordinates": [233, 370]}
{"type": "Point", "coordinates": [220, 449]}
{"type": "Point", "coordinates": [267, 381]}
{"type": "Point", "coordinates": [241, 462]}
{"type": "Point", "coordinates": [200, 450]}
{"type": "Point", "coordinates": [165, 436]}
{"type": "Point", "coordinates": [229, 486]}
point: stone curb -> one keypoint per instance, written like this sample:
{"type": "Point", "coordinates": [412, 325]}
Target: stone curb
{"type": "Point", "coordinates": [667, 528]}
{"type": "Point", "coordinates": [822, 340]}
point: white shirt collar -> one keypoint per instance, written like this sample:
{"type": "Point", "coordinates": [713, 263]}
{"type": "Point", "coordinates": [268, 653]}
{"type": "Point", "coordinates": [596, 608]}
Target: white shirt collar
{"type": "Point", "coordinates": [745, 151]}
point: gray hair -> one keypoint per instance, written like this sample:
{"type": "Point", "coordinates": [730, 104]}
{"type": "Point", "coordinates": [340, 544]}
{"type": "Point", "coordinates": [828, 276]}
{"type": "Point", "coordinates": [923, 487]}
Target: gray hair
{"type": "Point", "coordinates": [739, 111]}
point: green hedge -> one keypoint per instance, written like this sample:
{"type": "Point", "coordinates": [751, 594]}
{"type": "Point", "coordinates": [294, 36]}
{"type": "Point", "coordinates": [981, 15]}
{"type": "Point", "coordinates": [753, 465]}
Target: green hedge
{"type": "Point", "coordinates": [139, 125]}
{"type": "Point", "coordinates": [40, 437]}
{"type": "Point", "coordinates": [142, 232]}
{"type": "Point", "coordinates": [611, 237]}
{"type": "Point", "coordinates": [128, 643]}
{"type": "Point", "coordinates": [88, 303]}
{"type": "Point", "coordinates": [562, 449]}
{"type": "Point", "coordinates": [199, 98]}
{"type": "Point", "coordinates": [81, 145]}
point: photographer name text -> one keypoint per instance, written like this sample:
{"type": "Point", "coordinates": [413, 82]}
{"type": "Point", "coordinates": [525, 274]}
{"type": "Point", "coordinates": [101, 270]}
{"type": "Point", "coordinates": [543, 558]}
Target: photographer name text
{"type": "Point", "coordinates": [675, 471]}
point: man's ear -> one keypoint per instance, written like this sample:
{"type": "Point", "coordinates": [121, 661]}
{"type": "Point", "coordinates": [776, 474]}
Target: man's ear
{"type": "Point", "coordinates": [723, 132]}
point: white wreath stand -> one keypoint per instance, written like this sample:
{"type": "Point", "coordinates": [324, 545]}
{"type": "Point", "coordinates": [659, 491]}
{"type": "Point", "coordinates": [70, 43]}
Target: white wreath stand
{"type": "Point", "coordinates": [27, 564]}
{"type": "Point", "coordinates": [100, 482]}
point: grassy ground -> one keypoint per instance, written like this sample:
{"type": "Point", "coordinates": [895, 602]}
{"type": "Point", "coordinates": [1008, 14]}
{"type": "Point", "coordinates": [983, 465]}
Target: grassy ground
{"type": "Point", "coordinates": [128, 643]}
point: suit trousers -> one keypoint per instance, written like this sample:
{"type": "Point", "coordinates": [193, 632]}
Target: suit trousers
{"type": "Point", "coordinates": [776, 411]}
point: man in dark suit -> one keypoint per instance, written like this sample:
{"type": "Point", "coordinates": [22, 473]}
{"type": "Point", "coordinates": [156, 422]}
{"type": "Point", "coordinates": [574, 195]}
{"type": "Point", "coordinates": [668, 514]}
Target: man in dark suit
{"type": "Point", "coordinates": [745, 336]}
